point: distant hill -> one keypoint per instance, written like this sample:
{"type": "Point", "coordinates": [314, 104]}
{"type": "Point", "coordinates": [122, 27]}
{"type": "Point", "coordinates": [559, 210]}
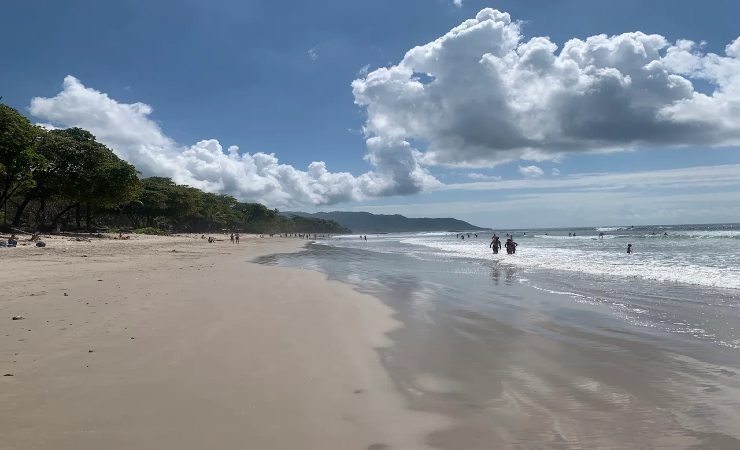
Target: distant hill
{"type": "Point", "coordinates": [364, 222]}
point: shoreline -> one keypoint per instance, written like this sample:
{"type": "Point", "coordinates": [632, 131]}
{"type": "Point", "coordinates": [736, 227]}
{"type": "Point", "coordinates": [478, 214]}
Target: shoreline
{"type": "Point", "coordinates": [515, 367]}
{"type": "Point", "coordinates": [175, 343]}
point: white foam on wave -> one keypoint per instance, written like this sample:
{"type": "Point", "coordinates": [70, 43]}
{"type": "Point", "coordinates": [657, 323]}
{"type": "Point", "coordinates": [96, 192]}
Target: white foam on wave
{"type": "Point", "coordinates": [707, 234]}
{"type": "Point", "coordinates": [597, 261]}
{"type": "Point", "coordinates": [582, 237]}
{"type": "Point", "coordinates": [609, 228]}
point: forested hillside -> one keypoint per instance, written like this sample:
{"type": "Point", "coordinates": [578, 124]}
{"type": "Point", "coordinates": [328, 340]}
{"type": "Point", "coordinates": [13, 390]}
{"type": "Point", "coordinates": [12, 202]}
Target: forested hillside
{"type": "Point", "coordinates": [365, 222]}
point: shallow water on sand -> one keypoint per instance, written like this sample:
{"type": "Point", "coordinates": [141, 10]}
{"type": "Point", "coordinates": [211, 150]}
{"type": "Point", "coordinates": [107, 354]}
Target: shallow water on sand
{"type": "Point", "coordinates": [529, 358]}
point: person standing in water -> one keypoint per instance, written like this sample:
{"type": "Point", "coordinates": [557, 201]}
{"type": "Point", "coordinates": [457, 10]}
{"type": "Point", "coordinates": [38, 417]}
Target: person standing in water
{"type": "Point", "coordinates": [495, 244]}
{"type": "Point", "coordinates": [510, 246]}
{"type": "Point", "coordinates": [629, 249]}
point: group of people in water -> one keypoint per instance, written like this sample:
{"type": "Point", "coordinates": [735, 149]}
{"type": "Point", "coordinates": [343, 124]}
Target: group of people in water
{"type": "Point", "coordinates": [495, 244]}
{"type": "Point", "coordinates": [462, 235]}
{"type": "Point", "coordinates": [509, 245]}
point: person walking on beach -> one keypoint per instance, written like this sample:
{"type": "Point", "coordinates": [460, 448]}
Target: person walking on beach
{"type": "Point", "coordinates": [236, 238]}
{"type": "Point", "coordinates": [495, 244]}
{"type": "Point", "coordinates": [232, 238]}
{"type": "Point", "coordinates": [629, 249]}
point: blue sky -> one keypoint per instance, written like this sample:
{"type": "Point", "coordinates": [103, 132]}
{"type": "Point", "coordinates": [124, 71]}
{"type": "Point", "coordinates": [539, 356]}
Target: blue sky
{"type": "Point", "coordinates": [276, 77]}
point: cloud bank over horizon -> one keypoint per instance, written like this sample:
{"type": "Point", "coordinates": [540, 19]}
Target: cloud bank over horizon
{"type": "Point", "coordinates": [479, 96]}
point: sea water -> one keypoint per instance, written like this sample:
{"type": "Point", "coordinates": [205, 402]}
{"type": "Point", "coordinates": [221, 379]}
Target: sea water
{"type": "Point", "coordinates": [680, 279]}
{"type": "Point", "coordinates": [592, 347]}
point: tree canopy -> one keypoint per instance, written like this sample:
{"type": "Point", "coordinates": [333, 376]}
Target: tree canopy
{"type": "Point", "coordinates": [66, 179]}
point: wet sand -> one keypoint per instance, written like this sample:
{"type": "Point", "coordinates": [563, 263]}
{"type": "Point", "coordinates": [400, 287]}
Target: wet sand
{"type": "Point", "coordinates": [159, 343]}
{"type": "Point", "coordinates": [518, 368]}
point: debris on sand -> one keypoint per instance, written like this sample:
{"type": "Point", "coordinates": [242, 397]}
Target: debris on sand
{"type": "Point", "coordinates": [18, 317]}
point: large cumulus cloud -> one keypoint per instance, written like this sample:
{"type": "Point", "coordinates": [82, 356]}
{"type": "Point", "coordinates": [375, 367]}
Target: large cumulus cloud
{"type": "Point", "coordinates": [129, 130]}
{"type": "Point", "coordinates": [478, 96]}
{"type": "Point", "coordinates": [482, 94]}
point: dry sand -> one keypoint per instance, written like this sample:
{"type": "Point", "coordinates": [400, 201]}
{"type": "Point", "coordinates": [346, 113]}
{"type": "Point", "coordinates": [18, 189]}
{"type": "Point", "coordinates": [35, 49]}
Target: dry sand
{"type": "Point", "coordinates": [174, 343]}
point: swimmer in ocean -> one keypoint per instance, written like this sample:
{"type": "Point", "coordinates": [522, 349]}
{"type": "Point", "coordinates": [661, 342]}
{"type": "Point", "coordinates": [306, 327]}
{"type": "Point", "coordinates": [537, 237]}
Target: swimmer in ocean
{"type": "Point", "coordinates": [495, 244]}
{"type": "Point", "coordinates": [629, 249]}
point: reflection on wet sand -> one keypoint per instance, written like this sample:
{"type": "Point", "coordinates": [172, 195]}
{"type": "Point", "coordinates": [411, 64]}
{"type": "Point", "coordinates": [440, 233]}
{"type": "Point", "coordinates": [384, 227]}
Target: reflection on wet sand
{"type": "Point", "coordinates": [509, 275]}
{"type": "Point", "coordinates": [518, 368]}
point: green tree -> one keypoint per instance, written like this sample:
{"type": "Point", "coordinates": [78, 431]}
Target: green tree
{"type": "Point", "coordinates": [18, 158]}
{"type": "Point", "coordinates": [77, 171]}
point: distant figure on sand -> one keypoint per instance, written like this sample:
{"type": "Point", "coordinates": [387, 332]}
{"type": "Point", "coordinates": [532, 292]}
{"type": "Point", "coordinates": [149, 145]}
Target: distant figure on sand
{"type": "Point", "coordinates": [495, 244]}
{"type": "Point", "coordinates": [232, 238]}
{"type": "Point", "coordinates": [629, 248]}
{"type": "Point", "coordinates": [236, 238]}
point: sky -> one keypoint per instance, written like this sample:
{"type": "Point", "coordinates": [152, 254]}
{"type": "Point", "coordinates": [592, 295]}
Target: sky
{"type": "Point", "coordinates": [536, 113]}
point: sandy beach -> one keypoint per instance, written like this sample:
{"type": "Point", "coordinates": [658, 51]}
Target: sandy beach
{"type": "Point", "coordinates": [171, 342]}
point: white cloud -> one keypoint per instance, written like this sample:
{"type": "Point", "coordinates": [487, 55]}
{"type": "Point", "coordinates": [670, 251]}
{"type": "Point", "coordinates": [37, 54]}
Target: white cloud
{"type": "Point", "coordinates": [129, 130]}
{"type": "Point", "coordinates": [483, 177]}
{"type": "Point", "coordinates": [457, 3]}
{"type": "Point", "coordinates": [482, 94]}
{"type": "Point", "coordinates": [478, 96]}
{"type": "Point", "coordinates": [363, 70]}
{"type": "Point", "coordinates": [531, 171]}
{"type": "Point", "coordinates": [689, 177]}
{"type": "Point", "coordinates": [555, 172]}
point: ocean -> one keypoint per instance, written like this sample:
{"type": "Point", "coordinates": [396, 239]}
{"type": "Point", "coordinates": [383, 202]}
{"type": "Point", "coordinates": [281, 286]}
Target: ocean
{"type": "Point", "coordinates": [597, 347]}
